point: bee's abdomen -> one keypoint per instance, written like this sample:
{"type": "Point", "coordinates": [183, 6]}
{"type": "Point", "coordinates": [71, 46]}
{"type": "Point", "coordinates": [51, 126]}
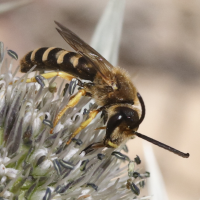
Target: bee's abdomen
{"type": "Point", "coordinates": [53, 58]}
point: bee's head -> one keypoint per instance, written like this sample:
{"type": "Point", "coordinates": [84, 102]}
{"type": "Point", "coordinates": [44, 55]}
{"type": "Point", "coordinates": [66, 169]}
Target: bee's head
{"type": "Point", "coordinates": [123, 123]}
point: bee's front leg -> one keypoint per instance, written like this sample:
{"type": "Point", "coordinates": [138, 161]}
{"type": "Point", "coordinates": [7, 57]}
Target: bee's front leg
{"type": "Point", "coordinates": [93, 146]}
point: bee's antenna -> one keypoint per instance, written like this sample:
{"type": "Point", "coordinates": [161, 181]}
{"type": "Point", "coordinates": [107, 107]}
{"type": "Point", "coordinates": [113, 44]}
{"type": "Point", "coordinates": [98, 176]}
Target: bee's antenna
{"type": "Point", "coordinates": [160, 144]}
{"type": "Point", "coordinates": [164, 146]}
{"type": "Point", "coordinates": [143, 110]}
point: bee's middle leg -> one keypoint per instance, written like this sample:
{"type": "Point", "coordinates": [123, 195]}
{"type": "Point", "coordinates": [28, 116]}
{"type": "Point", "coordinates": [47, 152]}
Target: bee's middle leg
{"type": "Point", "coordinates": [92, 115]}
{"type": "Point", "coordinates": [73, 101]}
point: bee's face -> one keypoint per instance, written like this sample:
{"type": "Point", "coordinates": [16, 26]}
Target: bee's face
{"type": "Point", "coordinates": [121, 126]}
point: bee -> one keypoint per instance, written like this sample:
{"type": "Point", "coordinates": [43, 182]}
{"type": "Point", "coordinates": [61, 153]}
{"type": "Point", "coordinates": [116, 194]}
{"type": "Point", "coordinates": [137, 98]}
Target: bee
{"type": "Point", "coordinates": [110, 87]}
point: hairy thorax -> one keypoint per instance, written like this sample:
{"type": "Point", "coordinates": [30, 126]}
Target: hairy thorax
{"type": "Point", "coordinates": [106, 95]}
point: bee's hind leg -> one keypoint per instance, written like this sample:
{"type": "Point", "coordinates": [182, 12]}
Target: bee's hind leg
{"type": "Point", "coordinates": [51, 75]}
{"type": "Point", "coordinates": [92, 115]}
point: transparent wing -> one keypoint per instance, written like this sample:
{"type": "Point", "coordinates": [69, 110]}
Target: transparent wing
{"type": "Point", "coordinates": [97, 60]}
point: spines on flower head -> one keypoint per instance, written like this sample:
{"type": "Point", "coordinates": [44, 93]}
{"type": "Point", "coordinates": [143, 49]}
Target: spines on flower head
{"type": "Point", "coordinates": [37, 165]}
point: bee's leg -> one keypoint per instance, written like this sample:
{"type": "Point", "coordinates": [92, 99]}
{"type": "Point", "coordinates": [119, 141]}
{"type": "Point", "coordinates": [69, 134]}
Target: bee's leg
{"type": "Point", "coordinates": [92, 115]}
{"type": "Point", "coordinates": [100, 128]}
{"type": "Point", "coordinates": [51, 75]}
{"type": "Point", "coordinates": [92, 147]}
{"type": "Point", "coordinates": [71, 104]}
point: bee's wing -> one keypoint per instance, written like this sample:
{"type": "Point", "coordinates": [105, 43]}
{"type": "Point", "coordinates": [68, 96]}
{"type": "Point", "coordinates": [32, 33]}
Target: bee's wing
{"type": "Point", "coordinates": [97, 60]}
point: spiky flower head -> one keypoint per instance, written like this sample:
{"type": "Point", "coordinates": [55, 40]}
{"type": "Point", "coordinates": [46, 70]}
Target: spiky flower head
{"type": "Point", "coordinates": [37, 165]}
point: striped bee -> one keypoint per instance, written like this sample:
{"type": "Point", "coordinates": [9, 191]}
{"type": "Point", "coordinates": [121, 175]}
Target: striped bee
{"type": "Point", "coordinates": [109, 86]}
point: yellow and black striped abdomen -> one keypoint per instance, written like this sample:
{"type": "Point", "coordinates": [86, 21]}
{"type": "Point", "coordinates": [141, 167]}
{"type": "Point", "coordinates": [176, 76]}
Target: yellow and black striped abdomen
{"type": "Point", "coordinates": [52, 58]}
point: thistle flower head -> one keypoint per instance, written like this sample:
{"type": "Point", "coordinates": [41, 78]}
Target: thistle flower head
{"type": "Point", "coordinates": [37, 165]}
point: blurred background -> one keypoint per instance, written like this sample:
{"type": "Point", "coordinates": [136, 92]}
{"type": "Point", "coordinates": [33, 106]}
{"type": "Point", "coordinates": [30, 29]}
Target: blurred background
{"type": "Point", "coordinates": [160, 48]}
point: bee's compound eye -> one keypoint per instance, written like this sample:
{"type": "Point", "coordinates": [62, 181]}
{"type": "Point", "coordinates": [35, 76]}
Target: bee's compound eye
{"type": "Point", "coordinates": [113, 122]}
{"type": "Point", "coordinates": [124, 118]}
{"type": "Point", "coordinates": [130, 116]}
